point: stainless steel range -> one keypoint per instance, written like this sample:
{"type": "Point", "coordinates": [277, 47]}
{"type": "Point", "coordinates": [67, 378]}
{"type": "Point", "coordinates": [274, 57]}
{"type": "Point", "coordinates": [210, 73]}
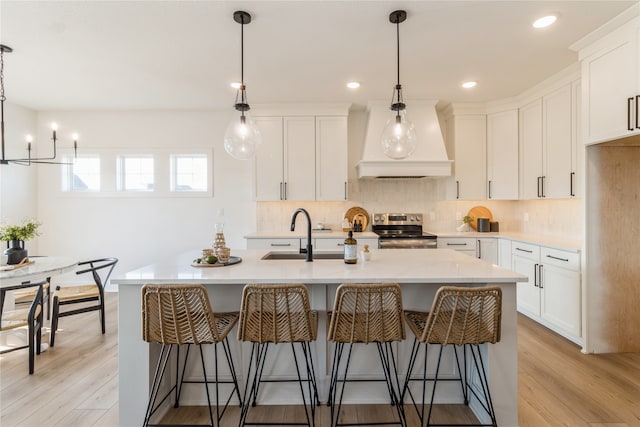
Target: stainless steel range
{"type": "Point", "coordinates": [402, 231]}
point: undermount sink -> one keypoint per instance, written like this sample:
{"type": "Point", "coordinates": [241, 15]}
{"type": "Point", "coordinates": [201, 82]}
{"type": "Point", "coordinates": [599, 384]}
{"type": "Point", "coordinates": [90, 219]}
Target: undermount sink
{"type": "Point", "coordinates": [296, 255]}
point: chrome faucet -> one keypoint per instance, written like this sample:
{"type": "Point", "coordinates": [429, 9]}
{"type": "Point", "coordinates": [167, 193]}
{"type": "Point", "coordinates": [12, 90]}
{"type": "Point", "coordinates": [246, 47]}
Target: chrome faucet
{"type": "Point", "coordinates": [309, 250]}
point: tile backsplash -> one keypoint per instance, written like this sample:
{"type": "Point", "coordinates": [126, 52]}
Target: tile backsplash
{"type": "Point", "coordinates": [561, 218]}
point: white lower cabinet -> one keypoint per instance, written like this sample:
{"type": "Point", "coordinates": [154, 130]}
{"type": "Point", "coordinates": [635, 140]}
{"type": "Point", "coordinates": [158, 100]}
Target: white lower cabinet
{"type": "Point", "coordinates": [552, 295]}
{"type": "Point", "coordinates": [485, 248]}
{"type": "Point", "coordinates": [275, 244]}
{"type": "Point", "coordinates": [333, 244]}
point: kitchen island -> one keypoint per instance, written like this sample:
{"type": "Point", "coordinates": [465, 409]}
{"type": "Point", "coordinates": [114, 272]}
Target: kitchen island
{"type": "Point", "coordinates": [420, 273]}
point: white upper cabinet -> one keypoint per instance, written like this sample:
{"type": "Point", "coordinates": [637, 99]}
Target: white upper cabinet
{"type": "Point", "coordinates": [502, 155]}
{"type": "Point", "coordinates": [331, 158]}
{"type": "Point", "coordinates": [611, 85]}
{"type": "Point", "coordinates": [548, 145]}
{"type": "Point", "coordinates": [557, 173]}
{"type": "Point", "coordinates": [269, 167]}
{"type": "Point", "coordinates": [303, 157]}
{"type": "Point", "coordinates": [299, 158]}
{"type": "Point", "coordinates": [531, 169]}
{"type": "Point", "coordinates": [467, 147]}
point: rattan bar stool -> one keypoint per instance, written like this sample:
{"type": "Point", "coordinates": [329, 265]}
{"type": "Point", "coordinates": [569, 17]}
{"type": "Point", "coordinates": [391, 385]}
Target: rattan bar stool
{"type": "Point", "coordinates": [277, 314]}
{"type": "Point", "coordinates": [174, 315]}
{"type": "Point", "coordinates": [366, 313]}
{"type": "Point", "coordinates": [459, 316]}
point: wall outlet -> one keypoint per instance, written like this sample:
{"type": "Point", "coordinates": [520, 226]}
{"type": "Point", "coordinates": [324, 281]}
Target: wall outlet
{"type": "Point", "coordinates": [526, 216]}
{"type": "Point", "coordinates": [458, 216]}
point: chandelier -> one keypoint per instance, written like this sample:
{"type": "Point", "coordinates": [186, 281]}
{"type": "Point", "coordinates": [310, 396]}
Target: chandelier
{"type": "Point", "coordinates": [26, 161]}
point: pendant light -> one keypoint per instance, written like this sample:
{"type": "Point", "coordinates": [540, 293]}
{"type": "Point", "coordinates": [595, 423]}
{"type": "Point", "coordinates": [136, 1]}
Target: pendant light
{"type": "Point", "coordinates": [26, 161]}
{"type": "Point", "coordinates": [242, 138]}
{"type": "Point", "coordinates": [398, 136]}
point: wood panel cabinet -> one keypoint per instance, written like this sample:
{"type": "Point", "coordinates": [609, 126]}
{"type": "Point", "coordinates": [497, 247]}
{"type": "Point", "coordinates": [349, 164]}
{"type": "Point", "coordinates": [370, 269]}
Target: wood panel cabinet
{"type": "Point", "coordinates": [301, 158]}
{"type": "Point", "coordinates": [502, 155]}
{"type": "Point", "coordinates": [611, 85]}
{"type": "Point", "coordinates": [552, 295]}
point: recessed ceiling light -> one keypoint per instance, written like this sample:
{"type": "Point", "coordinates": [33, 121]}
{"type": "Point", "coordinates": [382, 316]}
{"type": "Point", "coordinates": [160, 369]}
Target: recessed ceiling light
{"type": "Point", "coordinates": [353, 85]}
{"type": "Point", "coordinates": [236, 85]}
{"type": "Point", "coordinates": [469, 85]}
{"type": "Point", "coordinates": [545, 21]}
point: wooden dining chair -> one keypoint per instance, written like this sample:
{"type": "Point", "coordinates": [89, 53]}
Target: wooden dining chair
{"type": "Point", "coordinates": [30, 317]}
{"type": "Point", "coordinates": [83, 295]}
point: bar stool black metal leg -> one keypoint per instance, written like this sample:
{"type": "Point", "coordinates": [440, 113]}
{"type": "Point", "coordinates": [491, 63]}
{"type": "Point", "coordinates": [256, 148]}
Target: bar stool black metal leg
{"type": "Point", "coordinates": [435, 383]}
{"type": "Point", "coordinates": [232, 368]}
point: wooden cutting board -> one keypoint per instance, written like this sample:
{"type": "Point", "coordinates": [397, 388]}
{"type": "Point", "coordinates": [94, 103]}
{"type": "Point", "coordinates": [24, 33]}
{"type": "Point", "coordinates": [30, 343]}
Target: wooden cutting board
{"type": "Point", "coordinates": [479, 212]}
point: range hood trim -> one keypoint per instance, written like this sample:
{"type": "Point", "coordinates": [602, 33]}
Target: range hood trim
{"type": "Point", "coordinates": [403, 169]}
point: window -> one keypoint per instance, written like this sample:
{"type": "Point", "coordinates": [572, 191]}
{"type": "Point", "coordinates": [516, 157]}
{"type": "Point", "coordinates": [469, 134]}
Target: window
{"type": "Point", "coordinates": [135, 173]}
{"type": "Point", "coordinates": [82, 175]}
{"type": "Point", "coordinates": [189, 172]}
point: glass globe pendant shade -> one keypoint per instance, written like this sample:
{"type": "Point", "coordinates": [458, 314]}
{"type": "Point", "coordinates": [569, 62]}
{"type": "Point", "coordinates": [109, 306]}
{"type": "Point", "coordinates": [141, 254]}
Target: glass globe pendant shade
{"type": "Point", "coordinates": [398, 137]}
{"type": "Point", "coordinates": [242, 138]}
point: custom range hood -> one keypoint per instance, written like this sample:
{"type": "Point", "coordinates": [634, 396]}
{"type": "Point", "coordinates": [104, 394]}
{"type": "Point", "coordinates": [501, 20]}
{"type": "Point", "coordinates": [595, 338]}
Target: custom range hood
{"type": "Point", "coordinates": [430, 156]}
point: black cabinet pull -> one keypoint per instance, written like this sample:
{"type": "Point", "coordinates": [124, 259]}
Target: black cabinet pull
{"type": "Point", "coordinates": [540, 276]}
{"type": "Point", "coordinates": [456, 244]}
{"type": "Point", "coordinates": [524, 250]}
{"type": "Point", "coordinates": [479, 249]}
{"type": "Point", "coordinates": [457, 189]}
{"type": "Point", "coordinates": [542, 180]}
{"type": "Point", "coordinates": [637, 124]}
{"type": "Point", "coordinates": [629, 101]}
{"type": "Point", "coordinates": [539, 186]}
{"type": "Point", "coordinates": [281, 196]}
{"type": "Point", "coordinates": [559, 259]}
{"type": "Point", "coordinates": [489, 189]}
{"type": "Point", "coordinates": [535, 275]}
{"type": "Point", "coordinates": [571, 176]}
{"type": "Point", "coordinates": [285, 190]}
{"type": "Point", "coordinates": [345, 190]}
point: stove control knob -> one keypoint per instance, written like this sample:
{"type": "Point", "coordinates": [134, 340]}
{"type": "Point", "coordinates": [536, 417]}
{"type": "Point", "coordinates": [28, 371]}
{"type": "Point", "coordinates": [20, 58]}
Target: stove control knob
{"type": "Point", "coordinates": [377, 218]}
{"type": "Point", "coordinates": [412, 218]}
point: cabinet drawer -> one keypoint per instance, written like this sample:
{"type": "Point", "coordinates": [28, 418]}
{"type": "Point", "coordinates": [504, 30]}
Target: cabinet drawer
{"type": "Point", "coordinates": [338, 244]}
{"type": "Point", "coordinates": [274, 244]}
{"type": "Point", "coordinates": [563, 259]}
{"type": "Point", "coordinates": [525, 250]}
{"type": "Point", "coordinates": [457, 243]}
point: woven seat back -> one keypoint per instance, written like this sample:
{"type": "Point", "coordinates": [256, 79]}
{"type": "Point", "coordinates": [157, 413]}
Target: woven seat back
{"type": "Point", "coordinates": [367, 313]}
{"type": "Point", "coordinates": [276, 314]}
{"type": "Point", "coordinates": [464, 316]}
{"type": "Point", "coordinates": [177, 314]}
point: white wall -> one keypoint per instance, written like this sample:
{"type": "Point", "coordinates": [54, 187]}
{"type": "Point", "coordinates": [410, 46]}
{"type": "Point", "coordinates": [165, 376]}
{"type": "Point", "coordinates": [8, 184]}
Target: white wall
{"type": "Point", "coordinates": [18, 190]}
{"type": "Point", "coordinates": [141, 230]}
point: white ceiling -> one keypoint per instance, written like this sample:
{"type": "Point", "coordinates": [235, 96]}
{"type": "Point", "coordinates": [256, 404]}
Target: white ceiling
{"type": "Point", "coordinates": [183, 54]}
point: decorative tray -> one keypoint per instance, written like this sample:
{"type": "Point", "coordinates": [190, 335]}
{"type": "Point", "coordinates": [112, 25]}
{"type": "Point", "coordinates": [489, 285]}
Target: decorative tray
{"type": "Point", "coordinates": [358, 213]}
{"type": "Point", "coordinates": [232, 260]}
{"type": "Point", "coordinates": [25, 262]}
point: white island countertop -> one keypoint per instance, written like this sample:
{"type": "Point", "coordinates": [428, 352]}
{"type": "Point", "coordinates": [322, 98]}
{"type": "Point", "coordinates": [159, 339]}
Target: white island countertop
{"type": "Point", "coordinates": [420, 273]}
{"type": "Point", "coordinates": [398, 265]}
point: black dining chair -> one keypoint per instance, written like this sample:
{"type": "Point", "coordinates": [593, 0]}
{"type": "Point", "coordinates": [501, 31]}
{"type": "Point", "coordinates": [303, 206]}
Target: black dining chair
{"type": "Point", "coordinates": [83, 295]}
{"type": "Point", "coordinates": [30, 317]}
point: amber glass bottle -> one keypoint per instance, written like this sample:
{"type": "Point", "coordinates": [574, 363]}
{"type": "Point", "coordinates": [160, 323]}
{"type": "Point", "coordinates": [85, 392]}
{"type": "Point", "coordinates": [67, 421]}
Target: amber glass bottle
{"type": "Point", "coordinates": [350, 249]}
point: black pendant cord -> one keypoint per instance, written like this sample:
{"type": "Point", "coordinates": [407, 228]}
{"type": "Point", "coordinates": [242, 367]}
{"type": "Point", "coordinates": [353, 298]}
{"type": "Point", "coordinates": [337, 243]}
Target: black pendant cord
{"type": "Point", "coordinates": [398, 54]}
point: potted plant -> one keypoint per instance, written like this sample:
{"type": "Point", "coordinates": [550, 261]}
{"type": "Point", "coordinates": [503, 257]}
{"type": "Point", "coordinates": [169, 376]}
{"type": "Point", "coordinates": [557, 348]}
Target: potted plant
{"type": "Point", "coordinates": [465, 223]}
{"type": "Point", "coordinates": [15, 236]}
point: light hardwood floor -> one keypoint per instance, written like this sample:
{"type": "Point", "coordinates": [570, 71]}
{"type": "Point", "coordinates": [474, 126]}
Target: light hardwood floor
{"type": "Point", "coordinates": [75, 383]}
